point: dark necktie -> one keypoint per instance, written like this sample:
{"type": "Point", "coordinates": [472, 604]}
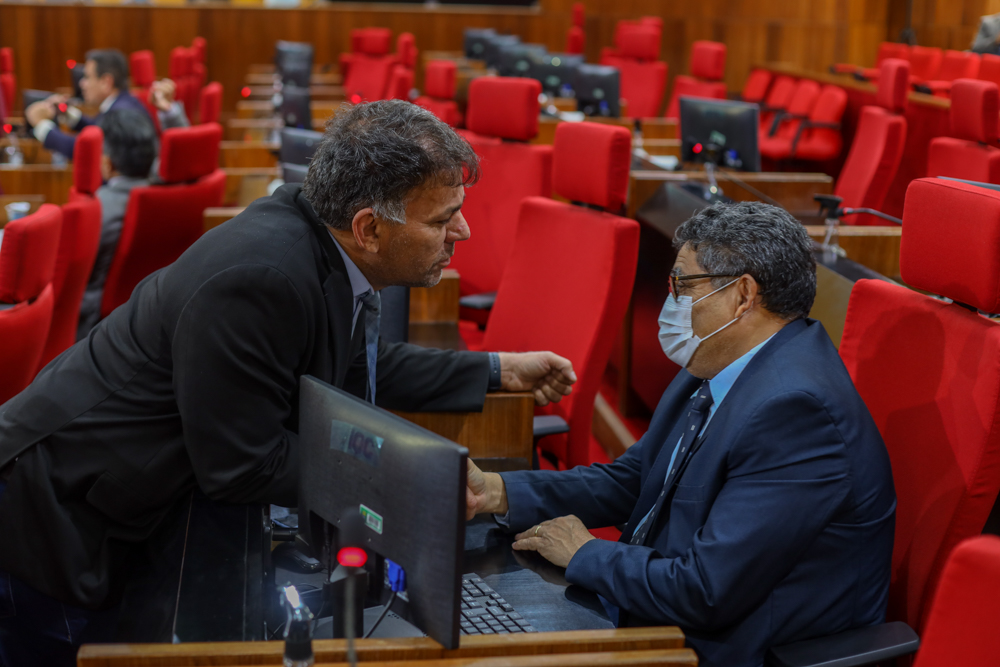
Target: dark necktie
{"type": "Point", "coordinates": [373, 304]}
{"type": "Point", "coordinates": [693, 423]}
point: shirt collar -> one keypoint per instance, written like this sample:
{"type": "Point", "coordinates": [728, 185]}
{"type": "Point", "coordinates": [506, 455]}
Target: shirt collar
{"type": "Point", "coordinates": [108, 101]}
{"type": "Point", "coordinates": [726, 378]}
{"type": "Point", "coordinates": [359, 284]}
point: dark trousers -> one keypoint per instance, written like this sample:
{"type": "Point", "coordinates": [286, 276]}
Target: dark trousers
{"type": "Point", "coordinates": [38, 630]}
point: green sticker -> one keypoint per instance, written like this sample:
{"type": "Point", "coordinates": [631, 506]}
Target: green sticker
{"type": "Point", "coordinates": [372, 520]}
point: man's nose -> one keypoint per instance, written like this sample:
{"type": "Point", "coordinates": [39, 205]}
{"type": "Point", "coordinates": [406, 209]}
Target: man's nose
{"type": "Point", "coordinates": [459, 229]}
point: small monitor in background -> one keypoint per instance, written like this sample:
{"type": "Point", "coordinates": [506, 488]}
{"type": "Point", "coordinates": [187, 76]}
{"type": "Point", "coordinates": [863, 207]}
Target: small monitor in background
{"type": "Point", "coordinates": [298, 146]}
{"type": "Point", "coordinates": [31, 96]}
{"type": "Point", "coordinates": [76, 73]}
{"type": "Point", "coordinates": [597, 90]}
{"type": "Point", "coordinates": [295, 111]}
{"type": "Point", "coordinates": [555, 71]}
{"type": "Point", "coordinates": [475, 42]}
{"type": "Point", "coordinates": [407, 483]}
{"type": "Point", "coordinates": [516, 59]}
{"type": "Point", "coordinates": [493, 45]}
{"type": "Point", "coordinates": [296, 73]}
{"type": "Point", "coordinates": [293, 173]}
{"type": "Point", "coordinates": [721, 132]}
{"type": "Point", "coordinates": [291, 58]}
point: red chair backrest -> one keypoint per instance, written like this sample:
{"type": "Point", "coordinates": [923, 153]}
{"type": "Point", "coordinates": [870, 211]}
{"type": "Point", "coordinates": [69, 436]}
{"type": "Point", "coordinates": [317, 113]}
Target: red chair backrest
{"type": "Point", "coordinates": [639, 41]}
{"type": "Point", "coordinates": [27, 265]}
{"type": "Point", "coordinates": [828, 109]}
{"type": "Point", "coordinates": [400, 83]}
{"type": "Point", "coordinates": [878, 144]}
{"type": "Point", "coordinates": [958, 65]}
{"type": "Point", "coordinates": [6, 60]}
{"type": "Point", "coordinates": [755, 88]}
{"type": "Point", "coordinates": [373, 41]}
{"type": "Point", "coordinates": [406, 50]}
{"type": "Point", "coordinates": [708, 60]}
{"type": "Point", "coordinates": [575, 40]}
{"type": "Point", "coordinates": [142, 66]}
{"type": "Point", "coordinates": [578, 14]}
{"type": "Point", "coordinates": [210, 103]}
{"type": "Point", "coordinates": [892, 50]}
{"type": "Point", "coordinates": [439, 79]}
{"type": "Point", "coordinates": [446, 110]}
{"type": "Point", "coordinates": [961, 627]}
{"type": "Point", "coordinates": [781, 92]}
{"type": "Point", "coordinates": [642, 85]}
{"type": "Point", "coordinates": [368, 77]}
{"type": "Point", "coordinates": [574, 309]}
{"type": "Point", "coordinates": [989, 68]}
{"type": "Point", "coordinates": [925, 62]}
{"type": "Point", "coordinates": [181, 62]}
{"type": "Point", "coordinates": [200, 47]}
{"type": "Point", "coordinates": [500, 109]}
{"type": "Point", "coordinates": [163, 220]}
{"type": "Point", "coordinates": [8, 90]}
{"type": "Point", "coordinates": [923, 367]}
{"type": "Point", "coordinates": [971, 152]}
{"type": "Point", "coordinates": [686, 86]}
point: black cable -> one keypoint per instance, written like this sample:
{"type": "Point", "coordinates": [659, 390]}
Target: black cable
{"type": "Point", "coordinates": [385, 612]}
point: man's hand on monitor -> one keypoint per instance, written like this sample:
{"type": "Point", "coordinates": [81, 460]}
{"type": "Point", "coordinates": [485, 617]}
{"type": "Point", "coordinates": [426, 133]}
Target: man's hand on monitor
{"type": "Point", "coordinates": [43, 109]}
{"type": "Point", "coordinates": [547, 375]}
{"type": "Point", "coordinates": [485, 493]}
{"type": "Point", "coordinates": [557, 540]}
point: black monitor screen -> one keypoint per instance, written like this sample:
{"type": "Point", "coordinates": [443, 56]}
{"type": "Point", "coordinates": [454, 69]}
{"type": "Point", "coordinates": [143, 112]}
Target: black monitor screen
{"type": "Point", "coordinates": [295, 109]}
{"type": "Point", "coordinates": [294, 173]}
{"type": "Point", "coordinates": [516, 59]}
{"type": "Point", "coordinates": [296, 73]}
{"type": "Point", "coordinates": [407, 483]}
{"type": "Point", "coordinates": [493, 45]}
{"type": "Point", "coordinates": [475, 42]}
{"type": "Point", "coordinates": [555, 71]}
{"type": "Point", "coordinates": [719, 131]}
{"type": "Point", "coordinates": [292, 54]}
{"type": "Point", "coordinates": [597, 90]}
{"type": "Point", "coordinates": [298, 146]}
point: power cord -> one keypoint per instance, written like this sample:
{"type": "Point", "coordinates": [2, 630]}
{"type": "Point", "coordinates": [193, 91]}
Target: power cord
{"type": "Point", "coordinates": [385, 612]}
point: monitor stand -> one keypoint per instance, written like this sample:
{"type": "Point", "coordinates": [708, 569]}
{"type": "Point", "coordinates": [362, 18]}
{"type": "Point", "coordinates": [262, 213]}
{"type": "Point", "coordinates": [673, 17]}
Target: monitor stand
{"type": "Point", "coordinates": [391, 626]}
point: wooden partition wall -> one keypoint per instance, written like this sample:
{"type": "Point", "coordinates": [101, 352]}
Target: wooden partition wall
{"type": "Point", "coordinates": [807, 34]}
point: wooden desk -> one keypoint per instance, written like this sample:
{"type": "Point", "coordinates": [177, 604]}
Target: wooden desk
{"type": "Point", "coordinates": [51, 182]}
{"type": "Point", "coordinates": [545, 648]}
{"type": "Point", "coordinates": [248, 154]}
{"type": "Point", "coordinates": [874, 247]}
{"type": "Point", "coordinates": [31, 149]}
{"type": "Point", "coordinates": [34, 200]}
{"type": "Point", "coordinates": [261, 129]}
{"type": "Point", "coordinates": [317, 78]}
{"type": "Point", "coordinates": [244, 185]}
{"type": "Point", "coordinates": [265, 108]}
{"type": "Point", "coordinates": [316, 92]}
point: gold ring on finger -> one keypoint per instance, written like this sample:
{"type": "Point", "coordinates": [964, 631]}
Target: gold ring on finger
{"type": "Point", "coordinates": [535, 534]}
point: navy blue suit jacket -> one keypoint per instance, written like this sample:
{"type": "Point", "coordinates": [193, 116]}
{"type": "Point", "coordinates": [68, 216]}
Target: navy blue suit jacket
{"type": "Point", "coordinates": [57, 140]}
{"type": "Point", "coordinates": [780, 525]}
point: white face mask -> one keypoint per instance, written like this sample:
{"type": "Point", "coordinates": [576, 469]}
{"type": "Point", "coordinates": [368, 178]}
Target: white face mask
{"type": "Point", "coordinates": [676, 333]}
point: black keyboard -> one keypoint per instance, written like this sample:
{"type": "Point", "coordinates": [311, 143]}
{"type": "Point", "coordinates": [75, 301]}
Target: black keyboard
{"type": "Point", "coordinates": [484, 612]}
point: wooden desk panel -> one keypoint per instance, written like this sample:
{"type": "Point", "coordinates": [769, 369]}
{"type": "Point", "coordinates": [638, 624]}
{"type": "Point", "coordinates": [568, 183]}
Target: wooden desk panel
{"type": "Point", "coordinates": [373, 650]}
{"type": "Point", "coordinates": [244, 185]}
{"type": "Point", "coordinates": [438, 303]}
{"type": "Point", "coordinates": [34, 200]}
{"type": "Point", "coordinates": [267, 78]}
{"type": "Point", "coordinates": [874, 247]}
{"type": "Point", "coordinates": [248, 154]}
{"type": "Point", "coordinates": [316, 92]}
{"type": "Point", "coordinates": [31, 149]}
{"type": "Point", "coordinates": [265, 108]}
{"type": "Point", "coordinates": [502, 430]}
{"type": "Point", "coordinates": [53, 183]}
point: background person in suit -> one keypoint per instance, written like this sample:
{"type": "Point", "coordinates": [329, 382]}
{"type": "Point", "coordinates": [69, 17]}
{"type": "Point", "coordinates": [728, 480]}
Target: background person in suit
{"type": "Point", "coordinates": [105, 85]}
{"type": "Point", "coordinates": [194, 382]}
{"type": "Point", "coordinates": [760, 505]}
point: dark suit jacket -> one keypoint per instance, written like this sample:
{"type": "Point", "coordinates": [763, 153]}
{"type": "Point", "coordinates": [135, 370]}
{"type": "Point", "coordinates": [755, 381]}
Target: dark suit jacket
{"type": "Point", "coordinates": [779, 528]}
{"type": "Point", "coordinates": [194, 382]}
{"type": "Point", "coordinates": [57, 140]}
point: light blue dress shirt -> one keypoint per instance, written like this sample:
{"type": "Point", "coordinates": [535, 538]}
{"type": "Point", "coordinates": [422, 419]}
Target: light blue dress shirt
{"type": "Point", "coordinates": [359, 284]}
{"type": "Point", "coordinates": [719, 386]}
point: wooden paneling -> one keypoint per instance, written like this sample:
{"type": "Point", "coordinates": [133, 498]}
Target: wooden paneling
{"type": "Point", "coordinates": [438, 303]}
{"type": "Point", "coordinates": [809, 34]}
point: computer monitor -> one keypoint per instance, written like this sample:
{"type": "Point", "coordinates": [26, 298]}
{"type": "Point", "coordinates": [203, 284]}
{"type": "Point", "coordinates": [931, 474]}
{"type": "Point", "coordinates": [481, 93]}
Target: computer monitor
{"type": "Point", "coordinates": [516, 59]}
{"type": "Point", "coordinates": [555, 71]}
{"type": "Point", "coordinates": [475, 41]}
{"type": "Point", "coordinates": [296, 73]}
{"type": "Point", "coordinates": [294, 61]}
{"type": "Point", "coordinates": [76, 73]}
{"type": "Point", "coordinates": [31, 96]}
{"type": "Point", "coordinates": [298, 146]}
{"type": "Point", "coordinates": [407, 483]}
{"type": "Point", "coordinates": [293, 173]}
{"type": "Point", "coordinates": [597, 90]}
{"type": "Point", "coordinates": [719, 131]}
{"type": "Point", "coordinates": [493, 45]}
{"type": "Point", "coordinates": [295, 110]}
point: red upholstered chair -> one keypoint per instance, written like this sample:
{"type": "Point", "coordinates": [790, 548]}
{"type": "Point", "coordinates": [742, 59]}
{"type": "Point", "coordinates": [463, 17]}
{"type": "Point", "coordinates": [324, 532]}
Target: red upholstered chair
{"type": "Point", "coordinates": [971, 152]}
{"type": "Point", "coordinates": [400, 83]}
{"type": "Point", "coordinates": [78, 242]}
{"type": "Point", "coordinates": [578, 14]}
{"type": "Point", "coordinates": [6, 60]}
{"type": "Point", "coordinates": [406, 50]}
{"type": "Point", "coordinates": [755, 88]}
{"type": "Point", "coordinates": [643, 76]}
{"type": "Point", "coordinates": [925, 63]}
{"type": "Point", "coordinates": [210, 103]}
{"type": "Point", "coordinates": [575, 40]}
{"type": "Point", "coordinates": [370, 66]}
{"type": "Point", "coordinates": [954, 65]}
{"type": "Point", "coordinates": [989, 68]}
{"type": "Point", "coordinates": [708, 67]}
{"type": "Point", "coordinates": [574, 308]}
{"type": "Point", "coordinates": [878, 144]}
{"type": "Point", "coordinates": [502, 117]}
{"type": "Point", "coordinates": [776, 140]}
{"type": "Point", "coordinates": [27, 263]}
{"type": "Point", "coordinates": [439, 91]}
{"type": "Point", "coordinates": [886, 50]}
{"type": "Point", "coordinates": [199, 45]}
{"type": "Point", "coordinates": [182, 72]}
{"type": "Point", "coordinates": [918, 363]}
{"type": "Point", "coordinates": [961, 627]}
{"type": "Point", "coordinates": [142, 67]}
{"type": "Point", "coordinates": [818, 136]}
{"type": "Point", "coordinates": [778, 98]}
{"type": "Point", "coordinates": [161, 221]}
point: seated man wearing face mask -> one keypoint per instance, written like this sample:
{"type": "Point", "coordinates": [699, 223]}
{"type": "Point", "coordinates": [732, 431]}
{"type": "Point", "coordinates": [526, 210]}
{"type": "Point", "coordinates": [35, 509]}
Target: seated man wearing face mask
{"type": "Point", "coordinates": [759, 507]}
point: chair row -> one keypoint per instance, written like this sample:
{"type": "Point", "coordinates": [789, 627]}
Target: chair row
{"type": "Point", "coordinates": [371, 72]}
{"type": "Point", "coordinates": [202, 102]}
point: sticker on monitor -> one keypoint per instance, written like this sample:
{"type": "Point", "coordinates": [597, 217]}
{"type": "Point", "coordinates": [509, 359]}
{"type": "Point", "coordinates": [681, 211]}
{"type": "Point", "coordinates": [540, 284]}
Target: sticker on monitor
{"type": "Point", "coordinates": [348, 438]}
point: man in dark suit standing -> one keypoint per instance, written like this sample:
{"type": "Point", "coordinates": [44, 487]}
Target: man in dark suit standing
{"type": "Point", "coordinates": [194, 382]}
{"type": "Point", "coordinates": [759, 506]}
{"type": "Point", "coordinates": [105, 85]}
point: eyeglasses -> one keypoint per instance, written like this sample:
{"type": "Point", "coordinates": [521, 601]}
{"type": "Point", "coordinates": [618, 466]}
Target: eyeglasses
{"type": "Point", "coordinates": [694, 276]}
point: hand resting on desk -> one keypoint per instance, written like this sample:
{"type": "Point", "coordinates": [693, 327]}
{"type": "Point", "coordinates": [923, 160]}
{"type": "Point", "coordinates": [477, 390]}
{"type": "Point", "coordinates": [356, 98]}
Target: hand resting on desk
{"type": "Point", "coordinates": [557, 540]}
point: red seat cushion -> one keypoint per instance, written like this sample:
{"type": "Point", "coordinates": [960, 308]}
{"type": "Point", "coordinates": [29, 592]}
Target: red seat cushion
{"type": "Point", "coordinates": [755, 88]}
{"type": "Point", "coordinates": [573, 308]}
{"type": "Point", "coordinates": [439, 79]}
{"type": "Point", "coordinates": [28, 254]}
{"type": "Point", "coordinates": [642, 86]}
{"type": "Point", "coordinates": [368, 77]}
{"type": "Point", "coordinates": [504, 107]}
{"type": "Point", "coordinates": [823, 143]}
{"type": "Point", "coordinates": [688, 87]}
{"type": "Point", "coordinates": [188, 153]}
{"type": "Point", "coordinates": [142, 68]}
{"type": "Point", "coordinates": [925, 62]}
{"type": "Point", "coordinates": [446, 110]}
{"type": "Point", "coordinates": [87, 160]}
{"type": "Point", "coordinates": [708, 60]}
{"type": "Point", "coordinates": [779, 145]}
{"type": "Point", "coordinates": [961, 627]}
{"type": "Point", "coordinates": [23, 329]}
{"type": "Point", "coordinates": [872, 162]}
{"type": "Point", "coordinates": [591, 163]}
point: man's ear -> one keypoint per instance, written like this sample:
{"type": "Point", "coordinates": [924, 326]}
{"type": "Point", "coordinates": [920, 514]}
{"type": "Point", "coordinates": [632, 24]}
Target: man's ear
{"type": "Point", "coordinates": [365, 230]}
{"type": "Point", "coordinates": [747, 291]}
{"type": "Point", "coordinates": [107, 170]}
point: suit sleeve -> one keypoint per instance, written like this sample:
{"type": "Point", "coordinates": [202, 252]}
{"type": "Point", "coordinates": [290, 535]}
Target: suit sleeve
{"type": "Point", "coordinates": [237, 349]}
{"type": "Point", "coordinates": [59, 141]}
{"type": "Point", "coordinates": [599, 495]}
{"type": "Point", "coordinates": [417, 379]}
{"type": "Point", "coordinates": [787, 476]}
